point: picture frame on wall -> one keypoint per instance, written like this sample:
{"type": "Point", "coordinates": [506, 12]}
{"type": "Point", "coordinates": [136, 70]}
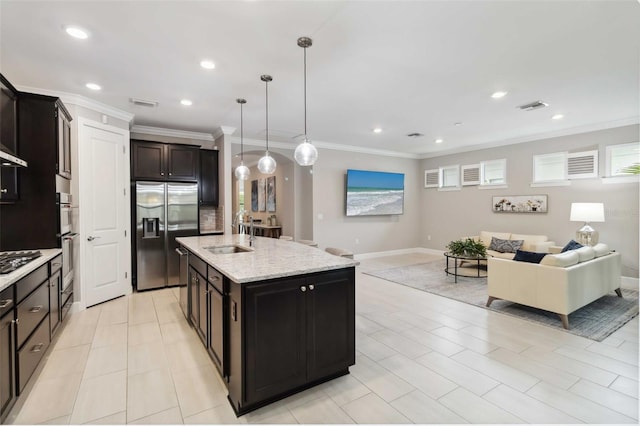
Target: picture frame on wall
{"type": "Point", "coordinates": [271, 194]}
{"type": "Point", "coordinates": [254, 195]}
{"type": "Point", "coordinates": [262, 202]}
{"type": "Point", "coordinates": [520, 204]}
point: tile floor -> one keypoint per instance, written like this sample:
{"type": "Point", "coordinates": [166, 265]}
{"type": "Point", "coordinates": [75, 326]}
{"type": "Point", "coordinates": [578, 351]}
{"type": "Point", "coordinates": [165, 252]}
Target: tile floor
{"type": "Point", "coordinates": [420, 359]}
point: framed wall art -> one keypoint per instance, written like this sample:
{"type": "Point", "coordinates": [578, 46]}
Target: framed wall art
{"type": "Point", "coordinates": [520, 204]}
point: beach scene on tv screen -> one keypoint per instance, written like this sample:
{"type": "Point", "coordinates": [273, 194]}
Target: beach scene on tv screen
{"type": "Point", "coordinates": [374, 193]}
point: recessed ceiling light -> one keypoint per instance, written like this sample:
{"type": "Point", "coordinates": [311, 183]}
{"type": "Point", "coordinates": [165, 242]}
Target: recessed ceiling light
{"type": "Point", "coordinates": [498, 95]}
{"type": "Point", "coordinates": [457, 123]}
{"type": "Point", "coordinates": [207, 64]}
{"type": "Point", "coordinates": [557, 117]}
{"type": "Point", "coordinates": [377, 130]}
{"type": "Point", "coordinates": [415, 135]}
{"type": "Point", "coordinates": [93, 86]}
{"type": "Point", "coordinates": [186, 102]}
{"type": "Point", "coordinates": [77, 32]}
{"type": "Point", "coordinates": [439, 141]}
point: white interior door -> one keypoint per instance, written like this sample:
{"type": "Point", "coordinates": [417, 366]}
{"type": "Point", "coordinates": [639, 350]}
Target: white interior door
{"type": "Point", "coordinates": [104, 211]}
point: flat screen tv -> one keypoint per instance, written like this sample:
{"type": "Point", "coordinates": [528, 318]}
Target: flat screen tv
{"type": "Point", "coordinates": [374, 193]}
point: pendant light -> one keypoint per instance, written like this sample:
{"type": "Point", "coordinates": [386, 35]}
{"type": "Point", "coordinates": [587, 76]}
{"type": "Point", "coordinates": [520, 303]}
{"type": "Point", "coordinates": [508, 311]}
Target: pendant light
{"type": "Point", "coordinates": [306, 154]}
{"type": "Point", "coordinates": [267, 164]}
{"type": "Point", "coordinates": [242, 172]}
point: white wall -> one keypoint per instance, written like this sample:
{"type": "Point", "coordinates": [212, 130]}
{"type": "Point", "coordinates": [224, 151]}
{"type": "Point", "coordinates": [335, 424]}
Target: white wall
{"type": "Point", "coordinates": [449, 215]}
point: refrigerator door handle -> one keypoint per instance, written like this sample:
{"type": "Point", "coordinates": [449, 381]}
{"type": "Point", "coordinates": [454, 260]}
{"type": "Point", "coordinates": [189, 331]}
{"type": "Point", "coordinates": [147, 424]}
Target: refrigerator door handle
{"type": "Point", "coordinates": [181, 251]}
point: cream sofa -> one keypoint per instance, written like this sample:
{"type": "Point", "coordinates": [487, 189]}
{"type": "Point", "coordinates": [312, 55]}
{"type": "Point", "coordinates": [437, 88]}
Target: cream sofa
{"type": "Point", "coordinates": [560, 283]}
{"type": "Point", "coordinates": [535, 243]}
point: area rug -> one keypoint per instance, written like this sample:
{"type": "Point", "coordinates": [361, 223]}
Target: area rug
{"type": "Point", "coordinates": [595, 321]}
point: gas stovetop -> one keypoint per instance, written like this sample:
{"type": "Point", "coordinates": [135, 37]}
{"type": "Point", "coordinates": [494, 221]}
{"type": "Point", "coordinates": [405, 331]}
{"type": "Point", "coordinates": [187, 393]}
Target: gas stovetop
{"type": "Point", "coordinates": [10, 261]}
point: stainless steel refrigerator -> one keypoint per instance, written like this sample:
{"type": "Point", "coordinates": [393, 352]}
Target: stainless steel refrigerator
{"type": "Point", "coordinates": [164, 211]}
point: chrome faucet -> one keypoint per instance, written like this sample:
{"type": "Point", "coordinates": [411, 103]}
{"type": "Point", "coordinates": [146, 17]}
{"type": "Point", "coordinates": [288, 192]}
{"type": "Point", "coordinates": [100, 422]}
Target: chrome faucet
{"type": "Point", "coordinates": [252, 237]}
{"type": "Point", "coordinates": [237, 221]}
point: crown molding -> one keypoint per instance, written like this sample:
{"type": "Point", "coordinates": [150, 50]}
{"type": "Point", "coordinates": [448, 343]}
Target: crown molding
{"type": "Point", "coordinates": [79, 100]}
{"type": "Point", "coordinates": [160, 131]}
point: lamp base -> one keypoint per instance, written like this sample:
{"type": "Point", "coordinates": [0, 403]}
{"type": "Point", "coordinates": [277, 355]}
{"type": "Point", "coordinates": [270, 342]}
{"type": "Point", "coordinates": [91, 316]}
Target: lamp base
{"type": "Point", "coordinates": [587, 236]}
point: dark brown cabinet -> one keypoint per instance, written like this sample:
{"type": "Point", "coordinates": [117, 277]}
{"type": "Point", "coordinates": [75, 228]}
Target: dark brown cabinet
{"type": "Point", "coordinates": [63, 165]}
{"type": "Point", "coordinates": [209, 192]}
{"type": "Point", "coordinates": [7, 352]}
{"type": "Point", "coordinates": [55, 287]}
{"type": "Point", "coordinates": [8, 139]}
{"type": "Point", "coordinates": [160, 161]}
{"type": "Point", "coordinates": [216, 310]}
{"type": "Point", "coordinates": [197, 290]}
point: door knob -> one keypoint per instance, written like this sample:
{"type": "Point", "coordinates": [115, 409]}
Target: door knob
{"type": "Point", "coordinates": [91, 238]}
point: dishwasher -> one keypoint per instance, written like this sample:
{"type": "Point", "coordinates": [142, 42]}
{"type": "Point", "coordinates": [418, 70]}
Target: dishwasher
{"type": "Point", "coordinates": [185, 300]}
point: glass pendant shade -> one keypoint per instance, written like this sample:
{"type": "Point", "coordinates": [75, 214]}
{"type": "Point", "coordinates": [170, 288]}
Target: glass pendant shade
{"type": "Point", "coordinates": [242, 172]}
{"type": "Point", "coordinates": [306, 154]}
{"type": "Point", "coordinates": [267, 164]}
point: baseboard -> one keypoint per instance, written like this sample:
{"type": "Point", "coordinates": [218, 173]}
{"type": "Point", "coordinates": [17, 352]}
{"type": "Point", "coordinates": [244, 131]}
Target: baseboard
{"type": "Point", "coordinates": [630, 283]}
{"type": "Point", "coordinates": [373, 255]}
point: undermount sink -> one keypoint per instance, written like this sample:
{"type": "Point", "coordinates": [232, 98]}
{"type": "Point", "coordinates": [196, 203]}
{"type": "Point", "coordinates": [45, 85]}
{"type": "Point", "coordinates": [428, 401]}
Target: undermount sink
{"type": "Point", "coordinates": [227, 249]}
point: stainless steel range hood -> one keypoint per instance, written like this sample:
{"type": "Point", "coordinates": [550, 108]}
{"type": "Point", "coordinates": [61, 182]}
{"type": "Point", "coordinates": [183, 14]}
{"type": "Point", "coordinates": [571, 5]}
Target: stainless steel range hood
{"type": "Point", "coordinates": [7, 159]}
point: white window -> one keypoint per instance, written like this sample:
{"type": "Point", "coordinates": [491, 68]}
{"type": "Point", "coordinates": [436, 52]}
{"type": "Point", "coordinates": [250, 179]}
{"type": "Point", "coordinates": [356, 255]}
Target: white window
{"type": "Point", "coordinates": [493, 172]}
{"type": "Point", "coordinates": [550, 167]}
{"type": "Point", "coordinates": [449, 177]}
{"type": "Point", "coordinates": [620, 158]}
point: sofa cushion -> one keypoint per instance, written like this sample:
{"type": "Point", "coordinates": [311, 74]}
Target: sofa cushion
{"type": "Point", "coordinates": [562, 260]}
{"type": "Point", "coordinates": [585, 253]}
{"type": "Point", "coordinates": [485, 236]}
{"type": "Point", "coordinates": [505, 246]}
{"type": "Point", "coordinates": [528, 256]}
{"type": "Point", "coordinates": [601, 249]}
{"type": "Point", "coordinates": [571, 245]}
{"type": "Point", "coordinates": [529, 240]}
{"type": "Point", "coordinates": [493, 253]}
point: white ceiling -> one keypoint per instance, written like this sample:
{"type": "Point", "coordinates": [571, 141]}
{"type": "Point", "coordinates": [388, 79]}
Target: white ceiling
{"type": "Point", "coordinates": [405, 66]}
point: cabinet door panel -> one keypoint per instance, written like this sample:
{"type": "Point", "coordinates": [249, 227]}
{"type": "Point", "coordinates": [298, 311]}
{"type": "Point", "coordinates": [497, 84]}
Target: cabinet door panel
{"type": "Point", "coordinates": [275, 338]}
{"type": "Point", "coordinates": [7, 365]}
{"type": "Point", "coordinates": [209, 194]}
{"type": "Point", "coordinates": [216, 330]}
{"type": "Point", "coordinates": [194, 313]}
{"type": "Point", "coordinates": [202, 309]}
{"type": "Point", "coordinates": [330, 323]}
{"type": "Point", "coordinates": [148, 160]}
{"type": "Point", "coordinates": [183, 163]}
{"type": "Point", "coordinates": [55, 285]}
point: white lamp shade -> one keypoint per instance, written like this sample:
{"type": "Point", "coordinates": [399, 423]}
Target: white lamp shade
{"type": "Point", "coordinates": [267, 164]}
{"type": "Point", "coordinates": [306, 154]}
{"type": "Point", "coordinates": [587, 212]}
{"type": "Point", "coordinates": [242, 172]}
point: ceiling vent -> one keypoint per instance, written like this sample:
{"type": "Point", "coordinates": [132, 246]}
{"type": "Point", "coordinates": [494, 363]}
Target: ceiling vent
{"type": "Point", "coordinates": [143, 102]}
{"type": "Point", "coordinates": [415, 135]}
{"type": "Point", "coordinates": [533, 105]}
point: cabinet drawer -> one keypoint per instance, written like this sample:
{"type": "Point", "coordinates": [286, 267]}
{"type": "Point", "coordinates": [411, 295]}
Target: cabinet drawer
{"type": "Point", "coordinates": [31, 311]}
{"type": "Point", "coordinates": [198, 264]}
{"type": "Point", "coordinates": [56, 264]}
{"type": "Point", "coordinates": [7, 300]}
{"type": "Point", "coordinates": [31, 282]}
{"type": "Point", "coordinates": [31, 354]}
{"type": "Point", "coordinates": [216, 279]}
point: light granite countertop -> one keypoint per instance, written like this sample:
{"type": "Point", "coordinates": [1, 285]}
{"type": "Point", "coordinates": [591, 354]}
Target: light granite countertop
{"type": "Point", "coordinates": [47, 255]}
{"type": "Point", "coordinates": [268, 258]}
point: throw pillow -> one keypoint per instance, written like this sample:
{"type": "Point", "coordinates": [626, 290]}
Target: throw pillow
{"type": "Point", "coordinates": [561, 259]}
{"type": "Point", "coordinates": [505, 246]}
{"type": "Point", "coordinates": [601, 249]}
{"type": "Point", "coordinates": [571, 245]}
{"type": "Point", "coordinates": [528, 256]}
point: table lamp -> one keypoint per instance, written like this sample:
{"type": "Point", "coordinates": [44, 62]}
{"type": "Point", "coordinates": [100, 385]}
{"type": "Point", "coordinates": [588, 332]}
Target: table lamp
{"type": "Point", "coordinates": [587, 212]}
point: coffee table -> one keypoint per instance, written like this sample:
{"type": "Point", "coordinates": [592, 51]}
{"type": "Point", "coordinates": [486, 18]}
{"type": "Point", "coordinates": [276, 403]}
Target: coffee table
{"type": "Point", "coordinates": [482, 272]}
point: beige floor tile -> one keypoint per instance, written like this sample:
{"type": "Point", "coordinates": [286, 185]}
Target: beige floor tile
{"type": "Point", "coordinates": [75, 334]}
{"type": "Point", "coordinates": [100, 396]}
{"type": "Point", "coordinates": [144, 333]}
{"type": "Point", "coordinates": [271, 414]}
{"type": "Point", "coordinates": [172, 416]}
{"type": "Point", "coordinates": [107, 335]}
{"type": "Point", "coordinates": [458, 373]}
{"type": "Point", "coordinates": [475, 409]}
{"type": "Point", "coordinates": [506, 341]}
{"type": "Point", "coordinates": [437, 343]}
{"type": "Point", "coordinates": [419, 408]}
{"type": "Point", "coordinates": [64, 420]}
{"type": "Point", "coordinates": [146, 357]}
{"type": "Point", "coordinates": [626, 386]}
{"type": "Point", "coordinates": [198, 389]}
{"type": "Point", "coordinates": [186, 354]}
{"type": "Point", "coordinates": [416, 320]}
{"type": "Point", "coordinates": [401, 344]}
{"type": "Point", "coordinates": [176, 331]}
{"type": "Point", "coordinates": [366, 326]}
{"type": "Point", "coordinates": [50, 399]}
{"type": "Point", "coordinates": [465, 340]}
{"type": "Point", "coordinates": [320, 411]}
{"type": "Point", "coordinates": [625, 353]}
{"type": "Point", "coordinates": [344, 389]}
{"type": "Point", "coordinates": [141, 311]}
{"type": "Point", "coordinates": [372, 348]}
{"type": "Point", "coordinates": [525, 407]}
{"type": "Point", "coordinates": [150, 393]}
{"type": "Point", "coordinates": [65, 361]}
{"type": "Point", "coordinates": [116, 314]}
{"type": "Point", "coordinates": [600, 361]}
{"type": "Point", "coordinates": [372, 409]}
{"type": "Point", "coordinates": [501, 372]}
{"type": "Point", "coordinates": [613, 399]}
{"type": "Point", "coordinates": [106, 359]}
{"type": "Point", "coordinates": [430, 383]}
{"type": "Point", "coordinates": [576, 406]}
{"type": "Point", "coordinates": [114, 419]}
{"type": "Point", "coordinates": [169, 313]}
{"type": "Point", "coordinates": [388, 322]}
{"type": "Point", "coordinates": [380, 380]}
{"type": "Point", "coordinates": [222, 414]}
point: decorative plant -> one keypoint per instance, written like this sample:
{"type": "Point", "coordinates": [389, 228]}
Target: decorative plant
{"type": "Point", "coordinates": [633, 169]}
{"type": "Point", "coordinates": [467, 247]}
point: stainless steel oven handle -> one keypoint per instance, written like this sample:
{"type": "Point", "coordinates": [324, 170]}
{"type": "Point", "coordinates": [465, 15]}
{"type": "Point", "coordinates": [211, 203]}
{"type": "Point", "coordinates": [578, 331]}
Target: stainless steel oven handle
{"type": "Point", "coordinates": [5, 303]}
{"type": "Point", "coordinates": [181, 251]}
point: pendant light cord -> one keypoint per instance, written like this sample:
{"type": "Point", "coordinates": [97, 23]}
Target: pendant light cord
{"type": "Point", "coordinates": [241, 137]}
{"type": "Point", "coordinates": [266, 97]}
{"type": "Point", "coordinates": [305, 93]}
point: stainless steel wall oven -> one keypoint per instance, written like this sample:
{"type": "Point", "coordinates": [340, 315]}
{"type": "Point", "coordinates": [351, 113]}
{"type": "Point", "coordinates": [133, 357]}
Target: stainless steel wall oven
{"type": "Point", "coordinates": [67, 241]}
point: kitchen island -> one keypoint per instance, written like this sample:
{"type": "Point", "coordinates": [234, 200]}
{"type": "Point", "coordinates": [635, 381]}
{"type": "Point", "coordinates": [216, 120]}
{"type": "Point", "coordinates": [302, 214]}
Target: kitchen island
{"type": "Point", "coordinates": [276, 317]}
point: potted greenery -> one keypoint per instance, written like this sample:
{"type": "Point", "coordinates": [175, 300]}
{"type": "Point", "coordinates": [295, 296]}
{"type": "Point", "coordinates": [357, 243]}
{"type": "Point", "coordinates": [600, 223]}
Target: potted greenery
{"type": "Point", "coordinates": [467, 247]}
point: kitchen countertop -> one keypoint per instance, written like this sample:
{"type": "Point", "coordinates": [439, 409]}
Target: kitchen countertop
{"type": "Point", "coordinates": [269, 257]}
{"type": "Point", "coordinates": [47, 255]}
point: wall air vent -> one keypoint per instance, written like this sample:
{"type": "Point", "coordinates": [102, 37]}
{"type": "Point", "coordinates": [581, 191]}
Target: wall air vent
{"type": "Point", "coordinates": [143, 102]}
{"type": "Point", "coordinates": [533, 105]}
{"type": "Point", "coordinates": [415, 135]}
